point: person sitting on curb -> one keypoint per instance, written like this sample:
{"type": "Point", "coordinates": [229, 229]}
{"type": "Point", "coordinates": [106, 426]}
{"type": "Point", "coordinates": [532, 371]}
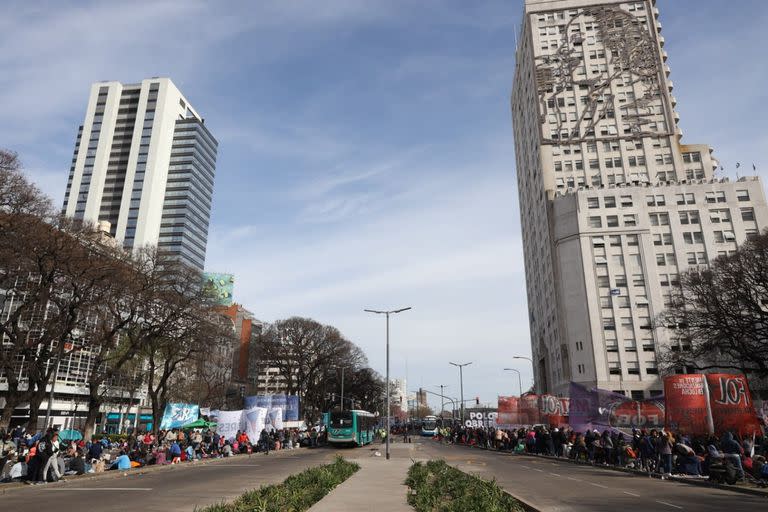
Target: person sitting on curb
{"type": "Point", "coordinates": [76, 464]}
{"type": "Point", "coordinates": [122, 462]}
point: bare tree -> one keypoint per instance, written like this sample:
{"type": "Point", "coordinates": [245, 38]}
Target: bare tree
{"type": "Point", "coordinates": [47, 276]}
{"type": "Point", "coordinates": [17, 195]}
{"type": "Point", "coordinates": [176, 327]}
{"type": "Point", "coordinates": [718, 317]}
{"type": "Point", "coordinates": [206, 377]}
{"type": "Point", "coordinates": [305, 352]}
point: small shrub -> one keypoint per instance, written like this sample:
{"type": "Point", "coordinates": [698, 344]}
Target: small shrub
{"type": "Point", "coordinates": [296, 494]}
{"type": "Point", "coordinates": [437, 487]}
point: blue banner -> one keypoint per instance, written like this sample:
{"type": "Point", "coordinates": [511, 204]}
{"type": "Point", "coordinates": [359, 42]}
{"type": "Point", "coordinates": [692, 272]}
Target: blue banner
{"type": "Point", "coordinates": [291, 408]}
{"type": "Point", "coordinates": [178, 415]}
{"type": "Point", "coordinates": [288, 403]}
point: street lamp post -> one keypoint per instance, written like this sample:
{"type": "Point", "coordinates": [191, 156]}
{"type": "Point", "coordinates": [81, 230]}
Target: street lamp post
{"type": "Point", "coordinates": [50, 394]}
{"type": "Point", "coordinates": [389, 405]}
{"type": "Point", "coordinates": [532, 368]}
{"type": "Point", "coordinates": [442, 400]}
{"type": "Point", "coordinates": [461, 385]}
{"type": "Point", "coordinates": [342, 386]}
{"type": "Point", "coordinates": [519, 378]}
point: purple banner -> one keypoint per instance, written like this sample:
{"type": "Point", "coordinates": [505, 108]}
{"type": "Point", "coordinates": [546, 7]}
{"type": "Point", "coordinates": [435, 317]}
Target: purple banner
{"type": "Point", "coordinates": [599, 409]}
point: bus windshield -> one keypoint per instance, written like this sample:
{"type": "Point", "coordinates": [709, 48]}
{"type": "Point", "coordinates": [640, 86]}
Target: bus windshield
{"type": "Point", "coordinates": [430, 425]}
{"type": "Point", "coordinates": [341, 419]}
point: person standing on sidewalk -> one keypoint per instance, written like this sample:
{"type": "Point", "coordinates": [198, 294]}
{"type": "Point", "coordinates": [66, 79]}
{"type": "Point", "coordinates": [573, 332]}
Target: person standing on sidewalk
{"type": "Point", "coordinates": [264, 439]}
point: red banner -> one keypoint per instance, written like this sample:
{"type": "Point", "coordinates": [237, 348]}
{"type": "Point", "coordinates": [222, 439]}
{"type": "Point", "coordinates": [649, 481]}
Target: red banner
{"type": "Point", "coordinates": [508, 413]}
{"type": "Point", "coordinates": [706, 404]}
{"type": "Point", "coordinates": [532, 409]}
{"type": "Point", "coordinates": [731, 403]}
{"type": "Point", "coordinates": [687, 408]}
{"type": "Point", "coordinates": [529, 409]}
{"type": "Point", "coordinates": [554, 410]}
{"type": "Point", "coordinates": [514, 411]}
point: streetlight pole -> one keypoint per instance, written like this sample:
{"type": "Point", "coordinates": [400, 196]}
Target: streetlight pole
{"type": "Point", "coordinates": [461, 385]}
{"type": "Point", "coordinates": [50, 395]}
{"type": "Point", "coordinates": [342, 387]}
{"type": "Point", "coordinates": [389, 404]}
{"type": "Point", "coordinates": [442, 401]}
{"type": "Point", "coordinates": [532, 368]}
{"type": "Point", "coordinates": [519, 378]}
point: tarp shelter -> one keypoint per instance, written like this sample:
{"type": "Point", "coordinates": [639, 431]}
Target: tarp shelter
{"type": "Point", "coordinates": [200, 423]}
{"type": "Point", "coordinates": [70, 435]}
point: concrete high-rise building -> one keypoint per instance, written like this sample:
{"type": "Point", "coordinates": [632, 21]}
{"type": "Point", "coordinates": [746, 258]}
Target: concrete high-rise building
{"type": "Point", "coordinates": [613, 205]}
{"type": "Point", "coordinates": [144, 161]}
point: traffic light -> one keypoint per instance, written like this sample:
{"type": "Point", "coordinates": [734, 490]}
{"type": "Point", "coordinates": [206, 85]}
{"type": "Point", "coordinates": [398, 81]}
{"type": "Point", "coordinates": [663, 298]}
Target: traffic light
{"type": "Point", "coordinates": [477, 400]}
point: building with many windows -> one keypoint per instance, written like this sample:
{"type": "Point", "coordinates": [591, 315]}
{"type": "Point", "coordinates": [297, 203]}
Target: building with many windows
{"type": "Point", "coordinates": [613, 205]}
{"type": "Point", "coordinates": [144, 162]}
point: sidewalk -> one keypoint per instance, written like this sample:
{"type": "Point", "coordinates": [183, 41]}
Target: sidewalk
{"type": "Point", "coordinates": [378, 486]}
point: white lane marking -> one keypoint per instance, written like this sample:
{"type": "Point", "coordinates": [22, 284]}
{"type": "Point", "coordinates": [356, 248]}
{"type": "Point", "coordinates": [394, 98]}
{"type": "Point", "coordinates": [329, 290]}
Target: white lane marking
{"type": "Point", "coordinates": [631, 494]}
{"type": "Point", "coordinates": [668, 504]}
{"type": "Point", "coordinates": [524, 466]}
{"type": "Point", "coordinates": [574, 479]}
{"type": "Point", "coordinates": [539, 470]}
{"type": "Point", "coordinates": [597, 485]}
{"type": "Point", "coordinates": [230, 466]}
{"type": "Point", "coordinates": [98, 488]}
{"type": "Point", "coordinates": [554, 474]}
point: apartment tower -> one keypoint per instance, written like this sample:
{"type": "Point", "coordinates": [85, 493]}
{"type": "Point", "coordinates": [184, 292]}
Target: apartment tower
{"type": "Point", "coordinates": [144, 163]}
{"type": "Point", "coordinates": [613, 205]}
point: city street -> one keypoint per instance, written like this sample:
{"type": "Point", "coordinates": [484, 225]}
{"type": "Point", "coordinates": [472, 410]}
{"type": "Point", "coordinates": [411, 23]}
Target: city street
{"type": "Point", "coordinates": [177, 488]}
{"type": "Point", "coordinates": [561, 486]}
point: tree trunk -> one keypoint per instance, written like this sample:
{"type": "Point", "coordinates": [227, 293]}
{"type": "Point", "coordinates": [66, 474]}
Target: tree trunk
{"type": "Point", "coordinates": [34, 410]}
{"type": "Point", "coordinates": [94, 404]}
{"type": "Point", "coordinates": [11, 402]}
{"type": "Point", "coordinates": [156, 415]}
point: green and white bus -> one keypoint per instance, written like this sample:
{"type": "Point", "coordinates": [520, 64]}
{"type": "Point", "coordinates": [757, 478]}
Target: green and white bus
{"type": "Point", "coordinates": [353, 428]}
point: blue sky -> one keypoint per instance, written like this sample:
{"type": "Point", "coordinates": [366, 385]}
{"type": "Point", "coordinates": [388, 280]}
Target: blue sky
{"type": "Point", "coordinates": [365, 148]}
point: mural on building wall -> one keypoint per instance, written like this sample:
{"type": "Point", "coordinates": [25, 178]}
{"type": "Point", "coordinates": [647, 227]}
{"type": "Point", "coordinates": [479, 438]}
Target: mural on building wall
{"type": "Point", "coordinates": [221, 287]}
{"type": "Point", "coordinates": [592, 55]}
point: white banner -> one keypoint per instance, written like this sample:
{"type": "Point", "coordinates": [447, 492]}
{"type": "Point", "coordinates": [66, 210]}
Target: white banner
{"type": "Point", "coordinates": [255, 419]}
{"type": "Point", "coordinates": [228, 423]}
{"type": "Point", "coordinates": [275, 419]}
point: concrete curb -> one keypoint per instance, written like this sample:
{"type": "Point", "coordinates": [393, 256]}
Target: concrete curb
{"type": "Point", "coordinates": [634, 472]}
{"type": "Point", "coordinates": [4, 488]}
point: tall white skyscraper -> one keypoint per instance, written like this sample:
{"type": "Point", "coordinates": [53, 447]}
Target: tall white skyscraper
{"type": "Point", "coordinates": [144, 161]}
{"type": "Point", "coordinates": [613, 205]}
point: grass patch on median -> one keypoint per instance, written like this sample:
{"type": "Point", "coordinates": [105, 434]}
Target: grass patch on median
{"type": "Point", "coordinates": [296, 494]}
{"type": "Point", "coordinates": [437, 487]}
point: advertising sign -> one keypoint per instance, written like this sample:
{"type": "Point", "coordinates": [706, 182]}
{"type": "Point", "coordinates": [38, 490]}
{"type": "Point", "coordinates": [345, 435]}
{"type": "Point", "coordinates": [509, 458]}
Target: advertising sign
{"type": "Point", "coordinates": [178, 415]}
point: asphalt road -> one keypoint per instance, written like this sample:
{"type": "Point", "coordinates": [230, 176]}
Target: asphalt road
{"type": "Point", "coordinates": [559, 486]}
{"type": "Point", "coordinates": [182, 487]}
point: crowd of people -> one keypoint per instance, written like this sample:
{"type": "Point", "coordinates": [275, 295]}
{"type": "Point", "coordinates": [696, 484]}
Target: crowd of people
{"type": "Point", "coordinates": [38, 458]}
{"type": "Point", "coordinates": [650, 450]}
